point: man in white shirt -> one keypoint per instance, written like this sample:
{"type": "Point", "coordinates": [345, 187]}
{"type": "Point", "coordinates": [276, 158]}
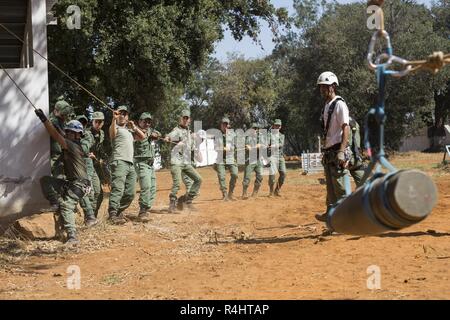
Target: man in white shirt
{"type": "Point", "coordinates": [336, 153]}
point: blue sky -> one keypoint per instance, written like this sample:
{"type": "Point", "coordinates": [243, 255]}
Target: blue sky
{"type": "Point", "coordinates": [250, 50]}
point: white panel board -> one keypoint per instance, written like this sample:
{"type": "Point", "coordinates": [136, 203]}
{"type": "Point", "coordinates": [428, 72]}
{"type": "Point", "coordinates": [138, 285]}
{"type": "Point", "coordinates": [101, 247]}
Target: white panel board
{"type": "Point", "coordinates": [24, 143]}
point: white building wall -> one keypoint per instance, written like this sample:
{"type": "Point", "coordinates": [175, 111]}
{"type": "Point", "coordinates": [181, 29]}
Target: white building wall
{"type": "Point", "coordinates": [421, 141]}
{"type": "Point", "coordinates": [416, 143]}
{"type": "Point", "coordinates": [24, 143]}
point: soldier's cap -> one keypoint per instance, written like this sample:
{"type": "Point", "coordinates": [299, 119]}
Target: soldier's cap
{"type": "Point", "coordinates": [98, 116]}
{"type": "Point", "coordinates": [81, 118]}
{"type": "Point", "coordinates": [185, 113]}
{"type": "Point", "coordinates": [255, 125]}
{"type": "Point", "coordinates": [225, 120]}
{"type": "Point", "coordinates": [63, 107]}
{"type": "Point", "coordinates": [123, 108]}
{"type": "Point", "coordinates": [146, 115]}
{"type": "Point", "coordinates": [277, 122]}
{"type": "Point", "coordinates": [71, 116]}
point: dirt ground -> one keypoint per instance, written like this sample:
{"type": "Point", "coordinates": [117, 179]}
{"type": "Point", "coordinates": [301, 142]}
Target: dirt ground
{"type": "Point", "coordinates": [265, 248]}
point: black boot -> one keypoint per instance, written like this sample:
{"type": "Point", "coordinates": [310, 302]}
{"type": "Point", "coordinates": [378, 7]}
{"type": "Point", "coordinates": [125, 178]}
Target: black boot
{"type": "Point", "coordinates": [322, 217]}
{"type": "Point", "coordinates": [190, 206]}
{"type": "Point", "coordinates": [244, 194]}
{"type": "Point", "coordinates": [90, 222]}
{"type": "Point", "coordinates": [271, 191]}
{"type": "Point", "coordinates": [231, 197]}
{"type": "Point", "coordinates": [224, 196]}
{"type": "Point", "coordinates": [255, 192]}
{"type": "Point", "coordinates": [278, 190]}
{"type": "Point", "coordinates": [72, 238]}
{"type": "Point", "coordinates": [181, 202]}
{"type": "Point", "coordinates": [144, 214]}
{"type": "Point", "coordinates": [54, 207]}
{"type": "Point", "coordinates": [173, 206]}
{"type": "Point", "coordinates": [116, 218]}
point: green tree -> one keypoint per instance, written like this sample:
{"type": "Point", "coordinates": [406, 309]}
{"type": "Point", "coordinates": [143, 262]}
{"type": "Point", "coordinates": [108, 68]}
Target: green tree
{"type": "Point", "coordinates": [136, 52]}
{"type": "Point", "coordinates": [242, 89]}
{"type": "Point", "coordinates": [337, 41]}
{"type": "Point", "coordinates": [441, 14]}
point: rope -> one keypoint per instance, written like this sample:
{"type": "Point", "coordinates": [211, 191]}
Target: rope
{"type": "Point", "coordinates": [18, 87]}
{"type": "Point", "coordinates": [434, 62]}
{"type": "Point", "coordinates": [58, 68]}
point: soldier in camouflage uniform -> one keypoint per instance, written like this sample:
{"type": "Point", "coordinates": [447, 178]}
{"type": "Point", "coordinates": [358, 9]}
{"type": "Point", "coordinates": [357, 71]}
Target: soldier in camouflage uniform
{"type": "Point", "coordinates": [181, 162]}
{"type": "Point", "coordinates": [86, 202]}
{"type": "Point", "coordinates": [336, 153]}
{"type": "Point", "coordinates": [122, 132]}
{"type": "Point", "coordinates": [226, 160]}
{"type": "Point", "coordinates": [59, 117]}
{"type": "Point", "coordinates": [254, 144]}
{"type": "Point", "coordinates": [144, 156]}
{"type": "Point", "coordinates": [76, 185]}
{"type": "Point", "coordinates": [357, 166]}
{"type": "Point", "coordinates": [83, 120]}
{"type": "Point", "coordinates": [93, 144]}
{"type": "Point", "coordinates": [198, 139]}
{"type": "Point", "coordinates": [277, 163]}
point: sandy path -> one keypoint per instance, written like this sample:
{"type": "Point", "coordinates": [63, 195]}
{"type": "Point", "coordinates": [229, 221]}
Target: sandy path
{"type": "Point", "coordinates": [255, 249]}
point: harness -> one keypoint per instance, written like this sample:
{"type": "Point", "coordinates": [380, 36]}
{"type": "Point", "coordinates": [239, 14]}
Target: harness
{"type": "Point", "coordinates": [326, 127]}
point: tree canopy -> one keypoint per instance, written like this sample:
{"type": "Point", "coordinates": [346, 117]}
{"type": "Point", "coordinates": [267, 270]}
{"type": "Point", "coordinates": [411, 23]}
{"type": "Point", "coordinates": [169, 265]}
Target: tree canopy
{"type": "Point", "coordinates": [156, 56]}
{"type": "Point", "coordinates": [138, 52]}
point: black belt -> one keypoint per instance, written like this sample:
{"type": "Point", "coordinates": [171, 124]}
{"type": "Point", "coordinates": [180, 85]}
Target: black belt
{"type": "Point", "coordinates": [149, 161]}
{"type": "Point", "coordinates": [334, 147]}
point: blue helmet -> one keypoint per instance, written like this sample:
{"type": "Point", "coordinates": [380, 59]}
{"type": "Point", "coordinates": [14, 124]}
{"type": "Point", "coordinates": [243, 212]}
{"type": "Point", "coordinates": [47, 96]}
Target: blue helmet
{"type": "Point", "coordinates": [75, 126]}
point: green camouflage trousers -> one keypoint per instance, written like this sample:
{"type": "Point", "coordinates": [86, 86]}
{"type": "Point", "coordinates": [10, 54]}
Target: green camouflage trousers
{"type": "Point", "coordinates": [147, 181]}
{"type": "Point", "coordinates": [69, 194]}
{"type": "Point", "coordinates": [357, 176]}
{"type": "Point", "coordinates": [357, 172]}
{"type": "Point", "coordinates": [277, 164]}
{"type": "Point", "coordinates": [185, 171]}
{"type": "Point", "coordinates": [96, 195]}
{"type": "Point", "coordinates": [188, 182]}
{"type": "Point", "coordinates": [249, 169]}
{"type": "Point", "coordinates": [221, 169]}
{"type": "Point", "coordinates": [48, 190]}
{"type": "Point", "coordinates": [335, 179]}
{"type": "Point", "coordinates": [123, 186]}
{"type": "Point", "coordinates": [52, 192]}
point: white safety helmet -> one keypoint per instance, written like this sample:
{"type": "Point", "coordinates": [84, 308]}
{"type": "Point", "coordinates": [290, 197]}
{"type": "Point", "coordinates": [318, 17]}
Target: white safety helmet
{"type": "Point", "coordinates": [328, 78]}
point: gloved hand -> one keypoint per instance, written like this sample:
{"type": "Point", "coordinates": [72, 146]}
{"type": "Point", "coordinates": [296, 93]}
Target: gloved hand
{"type": "Point", "coordinates": [40, 114]}
{"type": "Point", "coordinates": [343, 163]}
